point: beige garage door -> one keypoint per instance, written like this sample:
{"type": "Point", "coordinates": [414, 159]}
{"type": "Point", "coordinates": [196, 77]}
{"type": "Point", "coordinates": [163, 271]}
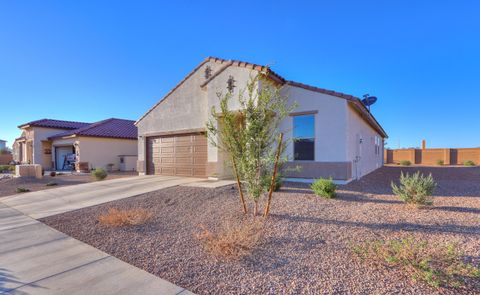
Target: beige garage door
{"type": "Point", "coordinates": [177, 155]}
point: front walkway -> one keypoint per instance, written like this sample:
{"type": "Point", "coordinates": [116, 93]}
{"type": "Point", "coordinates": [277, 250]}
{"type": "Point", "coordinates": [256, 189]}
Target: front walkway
{"type": "Point", "coordinates": [37, 259]}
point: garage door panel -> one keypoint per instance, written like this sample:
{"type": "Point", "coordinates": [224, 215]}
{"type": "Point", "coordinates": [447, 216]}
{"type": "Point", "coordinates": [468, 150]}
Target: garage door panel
{"type": "Point", "coordinates": [184, 171]}
{"type": "Point", "coordinates": [200, 149]}
{"type": "Point", "coordinates": [181, 155]}
{"type": "Point", "coordinates": [180, 161]}
{"type": "Point", "coordinates": [185, 138]}
{"type": "Point", "coordinates": [184, 149]}
{"type": "Point", "coordinates": [167, 160]}
{"type": "Point", "coordinates": [167, 150]}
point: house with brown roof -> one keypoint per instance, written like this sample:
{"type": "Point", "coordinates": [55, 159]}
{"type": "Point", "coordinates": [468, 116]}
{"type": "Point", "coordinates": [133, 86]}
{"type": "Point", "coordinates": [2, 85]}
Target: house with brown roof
{"type": "Point", "coordinates": [67, 145]}
{"type": "Point", "coordinates": [334, 134]}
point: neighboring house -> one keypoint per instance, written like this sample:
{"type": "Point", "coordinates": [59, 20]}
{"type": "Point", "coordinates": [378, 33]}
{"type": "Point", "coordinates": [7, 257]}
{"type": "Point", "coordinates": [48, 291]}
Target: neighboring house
{"type": "Point", "coordinates": [334, 133]}
{"type": "Point", "coordinates": [62, 145]}
{"type": "Point", "coordinates": [5, 155]}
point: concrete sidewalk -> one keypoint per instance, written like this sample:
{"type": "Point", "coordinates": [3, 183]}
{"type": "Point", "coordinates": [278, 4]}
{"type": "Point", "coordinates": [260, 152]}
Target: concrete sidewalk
{"type": "Point", "coordinates": [36, 259]}
{"type": "Point", "coordinates": [59, 200]}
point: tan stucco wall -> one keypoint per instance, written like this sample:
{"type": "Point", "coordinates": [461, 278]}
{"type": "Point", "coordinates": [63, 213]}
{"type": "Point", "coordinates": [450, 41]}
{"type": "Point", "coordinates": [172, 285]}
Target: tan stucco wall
{"type": "Point", "coordinates": [188, 108]}
{"type": "Point", "coordinates": [39, 134]}
{"type": "Point", "coordinates": [359, 129]}
{"type": "Point", "coordinates": [330, 123]}
{"type": "Point", "coordinates": [216, 158]}
{"type": "Point", "coordinates": [99, 152]}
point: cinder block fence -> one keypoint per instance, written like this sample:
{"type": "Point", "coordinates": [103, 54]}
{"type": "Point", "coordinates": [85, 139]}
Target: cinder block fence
{"type": "Point", "coordinates": [432, 156]}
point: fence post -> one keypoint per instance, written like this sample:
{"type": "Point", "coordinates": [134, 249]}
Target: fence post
{"type": "Point", "coordinates": [412, 156]}
{"type": "Point", "coordinates": [446, 157]}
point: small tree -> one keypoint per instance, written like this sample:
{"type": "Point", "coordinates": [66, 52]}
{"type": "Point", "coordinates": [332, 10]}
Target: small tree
{"type": "Point", "coordinates": [250, 134]}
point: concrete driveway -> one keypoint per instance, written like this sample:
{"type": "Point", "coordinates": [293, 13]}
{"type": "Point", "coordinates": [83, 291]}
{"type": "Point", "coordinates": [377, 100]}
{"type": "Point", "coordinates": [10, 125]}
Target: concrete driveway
{"type": "Point", "coordinates": [37, 259]}
{"type": "Point", "coordinates": [59, 200]}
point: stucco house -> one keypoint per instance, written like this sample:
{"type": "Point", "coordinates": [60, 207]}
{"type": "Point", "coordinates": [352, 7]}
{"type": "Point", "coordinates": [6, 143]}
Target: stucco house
{"type": "Point", "coordinates": [3, 144]}
{"type": "Point", "coordinates": [334, 134]}
{"type": "Point", "coordinates": [67, 145]}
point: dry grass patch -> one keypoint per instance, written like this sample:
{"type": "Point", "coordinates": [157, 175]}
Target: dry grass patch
{"type": "Point", "coordinates": [435, 264]}
{"type": "Point", "coordinates": [233, 240]}
{"type": "Point", "coordinates": [116, 217]}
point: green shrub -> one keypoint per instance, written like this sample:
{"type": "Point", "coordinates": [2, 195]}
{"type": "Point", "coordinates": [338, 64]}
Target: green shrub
{"type": "Point", "coordinates": [99, 174]}
{"type": "Point", "coordinates": [324, 187]}
{"type": "Point", "coordinates": [405, 163]}
{"type": "Point", "coordinates": [51, 183]}
{"type": "Point", "coordinates": [435, 264]}
{"type": "Point", "coordinates": [6, 168]}
{"type": "Point", "coordinates": [268, 180]}
{"type": "Point", "coordinates": [469, 163]}
{"type": "Point", "coordinates": [415, 189]}
{"type": "Point", "coordinates": [22, 190]}
{"type": "Point", "coordinates": [440, 162]}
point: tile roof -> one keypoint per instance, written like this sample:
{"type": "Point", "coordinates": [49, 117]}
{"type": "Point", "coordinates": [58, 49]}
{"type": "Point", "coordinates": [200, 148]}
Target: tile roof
{"type": "Point", "coordinates": [51, 123]}
{"type": "Point", "coordinates": [110, 128]}
{"type": "Point", "coordinates": [355, 101]}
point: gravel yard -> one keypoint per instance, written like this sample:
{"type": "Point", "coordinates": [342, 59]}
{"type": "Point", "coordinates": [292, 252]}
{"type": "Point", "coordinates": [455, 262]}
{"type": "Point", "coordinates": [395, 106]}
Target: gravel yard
{"type": "Point", "coordinates": [8, 186]}
{"type": "Point", "coordinates": [307, 246]}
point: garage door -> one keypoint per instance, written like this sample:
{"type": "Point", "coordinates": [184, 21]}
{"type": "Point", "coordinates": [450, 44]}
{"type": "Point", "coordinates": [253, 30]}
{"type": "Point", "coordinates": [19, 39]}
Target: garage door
{"type": "Point", "coordinates": [177, 155]}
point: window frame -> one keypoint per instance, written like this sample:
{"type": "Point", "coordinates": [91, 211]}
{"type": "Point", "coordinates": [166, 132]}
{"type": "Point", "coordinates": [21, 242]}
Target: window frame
{"type": "Point", "coordinates": [303, 114]}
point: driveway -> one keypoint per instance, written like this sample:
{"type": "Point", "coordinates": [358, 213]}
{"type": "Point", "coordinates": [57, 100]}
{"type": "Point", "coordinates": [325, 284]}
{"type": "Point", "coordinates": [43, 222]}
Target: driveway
{"type": "Point", "coordinates": [37, 259]}
{"type": "Point", "coordinates": [54, 201]}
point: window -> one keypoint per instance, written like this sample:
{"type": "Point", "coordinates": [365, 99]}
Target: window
{"type": "Point", "coordinates": [304, 137]}
{"type": "Point", "coordinates": [378, 143]}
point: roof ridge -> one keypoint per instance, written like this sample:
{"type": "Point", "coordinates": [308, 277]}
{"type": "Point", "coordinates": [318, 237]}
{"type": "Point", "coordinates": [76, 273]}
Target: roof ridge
{"type": "Point", "coordinates": [92, 125]}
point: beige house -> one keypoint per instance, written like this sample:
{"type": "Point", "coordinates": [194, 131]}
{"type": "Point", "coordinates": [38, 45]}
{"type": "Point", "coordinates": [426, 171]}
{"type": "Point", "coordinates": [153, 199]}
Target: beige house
{"type": "Point", "coordinates": [66, 145]}
{"type": "Point", "coordinates": [333, 133]}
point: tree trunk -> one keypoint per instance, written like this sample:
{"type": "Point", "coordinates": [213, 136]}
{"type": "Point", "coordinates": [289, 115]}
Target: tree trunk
{"type": "Point", "coordinates": [274, 176]}
{"type": "Point", "coordinates": [239, 185]}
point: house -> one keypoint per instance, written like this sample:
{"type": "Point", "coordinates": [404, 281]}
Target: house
{"type": "Point", "coordinates": [3, 144]}
{"type": "Point", "coordinates": [64, 145]}
{"type": "Point", "coordinates": [334, 134]}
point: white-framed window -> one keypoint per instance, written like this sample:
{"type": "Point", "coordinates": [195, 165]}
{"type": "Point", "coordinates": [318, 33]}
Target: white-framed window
{"type": "Point", "coordinates": [378, 145]}
{"type": "Point", "coordinates": [304, 137]}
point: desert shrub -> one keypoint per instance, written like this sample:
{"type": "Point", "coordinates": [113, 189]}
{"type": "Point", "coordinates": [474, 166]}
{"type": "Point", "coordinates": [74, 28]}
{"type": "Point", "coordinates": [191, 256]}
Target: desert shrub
{"type": "Point", "coordinates": [440, 162]}
{"type": "Point", "coordinates": [99, 174]}
{"type": "Point", "coordinates": [232, 240]}
{"type": "Point", "coordinates": [117, 217]}
{"type": "Point", "coordinates": [435, 264]}
{"type": "Point", "coordinates": [22, 190]}
{"type": "Point", "coordinates": [469, 163]}
{"type": "Point", "coordinates": [51, 183]}
{"type": "Point", "coordinates": [7, 168]}
{"type": "Point", "coordinates": [415, 189]}
{"type": "Point", "coordinates": [405, 163]}
{"type": "Point", "coordinates": [53, 174]}
{"type": "Point", "coordinates": [324, 187]}
{"type": "Point", "coordinates": [276, 186]}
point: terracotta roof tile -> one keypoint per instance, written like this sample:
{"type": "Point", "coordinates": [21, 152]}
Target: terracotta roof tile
{"type": "Point", "coordinates": [110, 128]}
{"type": "Point", "coordinates": [51, 123]}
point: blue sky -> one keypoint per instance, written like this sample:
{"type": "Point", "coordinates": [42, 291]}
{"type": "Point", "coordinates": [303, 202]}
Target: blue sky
{"type": "Point", "coordinates": [91, 60]}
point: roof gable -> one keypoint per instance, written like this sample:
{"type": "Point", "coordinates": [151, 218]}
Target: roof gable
{"type": "Point", "coordinates": [354, 101]}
